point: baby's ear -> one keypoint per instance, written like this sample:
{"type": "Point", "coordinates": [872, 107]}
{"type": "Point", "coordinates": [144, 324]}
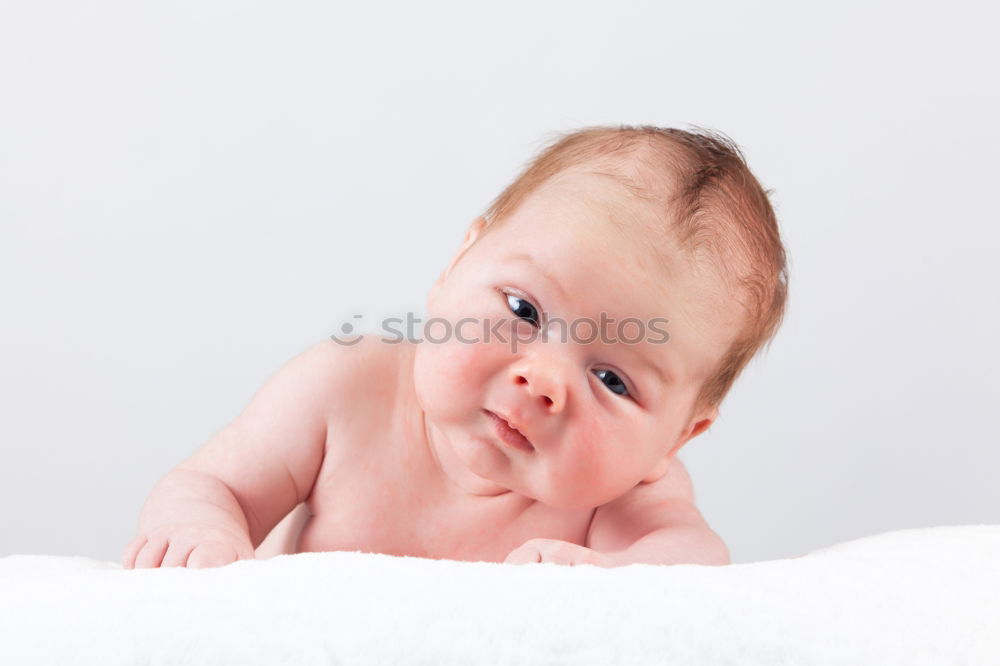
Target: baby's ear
{"type": "Point", "coordinates": [697, 425]}
{"type": "Point", "coordinates": [474, 230]}
{"type": "Point", "coordinates": [471, 236]}
{"type": "Point", "coordinates": [700, 424]}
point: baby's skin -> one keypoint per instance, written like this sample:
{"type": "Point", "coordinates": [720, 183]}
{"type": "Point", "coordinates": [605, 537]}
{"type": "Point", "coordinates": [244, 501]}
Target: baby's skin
{"type": "Point", "coordinates": [514, 449]}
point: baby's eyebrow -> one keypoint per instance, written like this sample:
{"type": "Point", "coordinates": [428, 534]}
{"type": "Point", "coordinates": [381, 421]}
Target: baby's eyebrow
{"type": "Point", "coordinates": [520, 256]}
{"type": "Point", "coordinates": [666, 373]}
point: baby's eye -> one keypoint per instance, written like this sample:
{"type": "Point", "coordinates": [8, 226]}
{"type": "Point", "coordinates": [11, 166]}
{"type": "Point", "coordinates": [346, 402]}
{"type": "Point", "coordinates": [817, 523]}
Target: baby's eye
{"type": "Point", "coordinates": [523, 309]}
{"type": "Point", "coordinates": [612, 381]}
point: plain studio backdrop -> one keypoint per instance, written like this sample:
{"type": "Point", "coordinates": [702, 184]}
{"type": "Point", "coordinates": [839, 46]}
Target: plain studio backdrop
{"type": "Point", "coordinates": [192, 193]}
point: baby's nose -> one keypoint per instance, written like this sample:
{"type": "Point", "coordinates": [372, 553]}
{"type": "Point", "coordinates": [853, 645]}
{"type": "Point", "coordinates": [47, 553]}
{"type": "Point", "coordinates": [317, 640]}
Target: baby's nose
{"type": "Point", "coordinates": [544, 383]}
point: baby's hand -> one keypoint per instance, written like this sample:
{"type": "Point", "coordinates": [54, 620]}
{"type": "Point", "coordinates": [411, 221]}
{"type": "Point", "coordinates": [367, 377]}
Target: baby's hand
{"type": "Point", "coordinates": [192, 545]}
{"type": "Point", "coordinates": [557, 552]}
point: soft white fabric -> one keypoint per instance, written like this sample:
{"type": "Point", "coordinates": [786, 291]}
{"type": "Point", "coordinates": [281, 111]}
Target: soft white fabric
{"type": "Point", "coordinates": [924, 596]}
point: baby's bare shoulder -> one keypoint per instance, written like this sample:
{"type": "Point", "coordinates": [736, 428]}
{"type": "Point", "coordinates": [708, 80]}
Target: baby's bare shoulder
{"type": "Point", "coordinates": [367, 354]}
{"type": "Point", "coordinates": [364, 368]}
{"type": "Point", "coordinates": [643, 509]}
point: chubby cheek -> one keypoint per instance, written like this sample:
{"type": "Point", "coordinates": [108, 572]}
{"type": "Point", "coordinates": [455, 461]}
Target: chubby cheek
{"type": "Point", "coordinates": [587, 472]}
{"type": "Point", "coordinates": [450, 377]}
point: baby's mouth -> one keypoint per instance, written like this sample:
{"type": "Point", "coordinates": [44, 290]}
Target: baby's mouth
{"type": "Point", "coordinates": [508, 433]}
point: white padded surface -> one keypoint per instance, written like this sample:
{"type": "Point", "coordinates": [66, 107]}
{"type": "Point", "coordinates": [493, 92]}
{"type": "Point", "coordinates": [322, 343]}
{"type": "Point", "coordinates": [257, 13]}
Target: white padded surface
{"type": "Point", "coordinates": [924, 596]}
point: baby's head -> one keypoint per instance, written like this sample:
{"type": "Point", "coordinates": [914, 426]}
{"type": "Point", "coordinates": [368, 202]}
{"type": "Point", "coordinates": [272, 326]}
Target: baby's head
{"type": "Point", "coordinates": [663, 228]}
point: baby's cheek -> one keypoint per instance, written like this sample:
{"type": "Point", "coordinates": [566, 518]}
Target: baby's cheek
{"type": "Point", "coordinates": [462, 362]}
{"type": "Point", "coordinates": [586, 474]}
{"type": "Point", "coordinates": [447, 372]}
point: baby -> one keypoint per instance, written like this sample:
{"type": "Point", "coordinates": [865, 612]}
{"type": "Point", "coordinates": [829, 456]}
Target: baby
{"type": "Point", "coordinates": [589, 326]}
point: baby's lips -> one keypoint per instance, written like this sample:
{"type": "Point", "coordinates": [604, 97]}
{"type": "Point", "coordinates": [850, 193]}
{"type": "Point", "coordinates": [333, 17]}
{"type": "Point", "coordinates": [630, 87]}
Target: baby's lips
{"type": "Point", "coordinates": [500, 415]}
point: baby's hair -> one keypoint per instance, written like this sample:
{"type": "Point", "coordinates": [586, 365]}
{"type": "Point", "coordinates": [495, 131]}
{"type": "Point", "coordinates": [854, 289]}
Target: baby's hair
{"type": "Point", "coordinates": [717, 213]}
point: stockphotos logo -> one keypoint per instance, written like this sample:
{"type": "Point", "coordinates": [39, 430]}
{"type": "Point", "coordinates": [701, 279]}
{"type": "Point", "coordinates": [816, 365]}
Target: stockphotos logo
{"type": "Point", "coordinates": [512, 331]}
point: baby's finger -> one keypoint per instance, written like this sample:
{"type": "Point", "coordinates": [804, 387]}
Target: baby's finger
{"type": "Point", "coordinates": [177, 555]}
{"type": "Point", "coordinates": [152, 553]}
{"type": "Point", "coordinates": [131, 550]}
{"type": "Point", "coordinates": [209, 555]}
{"type": "Point", "coordinates": [526, 554]}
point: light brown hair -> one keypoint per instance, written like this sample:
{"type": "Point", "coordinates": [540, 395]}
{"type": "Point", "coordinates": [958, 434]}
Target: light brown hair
{"type": "Point", "coordinates": [715, 209]}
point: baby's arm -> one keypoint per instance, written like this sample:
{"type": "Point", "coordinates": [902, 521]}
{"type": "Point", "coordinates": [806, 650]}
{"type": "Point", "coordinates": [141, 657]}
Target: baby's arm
{"type": "Point", "coordinates": [657, 523]}
{"type": "Point", "coordinates": [219, 504]}
{"type": "Point", "coordinates": [654, 523]}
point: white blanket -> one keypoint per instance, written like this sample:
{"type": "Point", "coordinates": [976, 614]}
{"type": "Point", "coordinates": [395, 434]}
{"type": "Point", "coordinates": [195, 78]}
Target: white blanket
{"type": "Point", "coordinates": [924, 596]}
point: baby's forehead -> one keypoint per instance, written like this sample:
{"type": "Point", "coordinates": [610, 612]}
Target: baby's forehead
{"type": "Point", "coordinates": [595, 205]}
{"type": "Point", "coordinates": [627, 201]}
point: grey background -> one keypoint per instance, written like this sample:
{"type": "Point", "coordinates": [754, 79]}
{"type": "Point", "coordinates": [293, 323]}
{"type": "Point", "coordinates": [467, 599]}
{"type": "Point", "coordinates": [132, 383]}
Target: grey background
{"type": "Point", "coordinates": [191, 193]}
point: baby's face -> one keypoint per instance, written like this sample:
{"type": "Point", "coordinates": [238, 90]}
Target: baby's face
{"type": "Point", "coordinates": [601, 415]}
